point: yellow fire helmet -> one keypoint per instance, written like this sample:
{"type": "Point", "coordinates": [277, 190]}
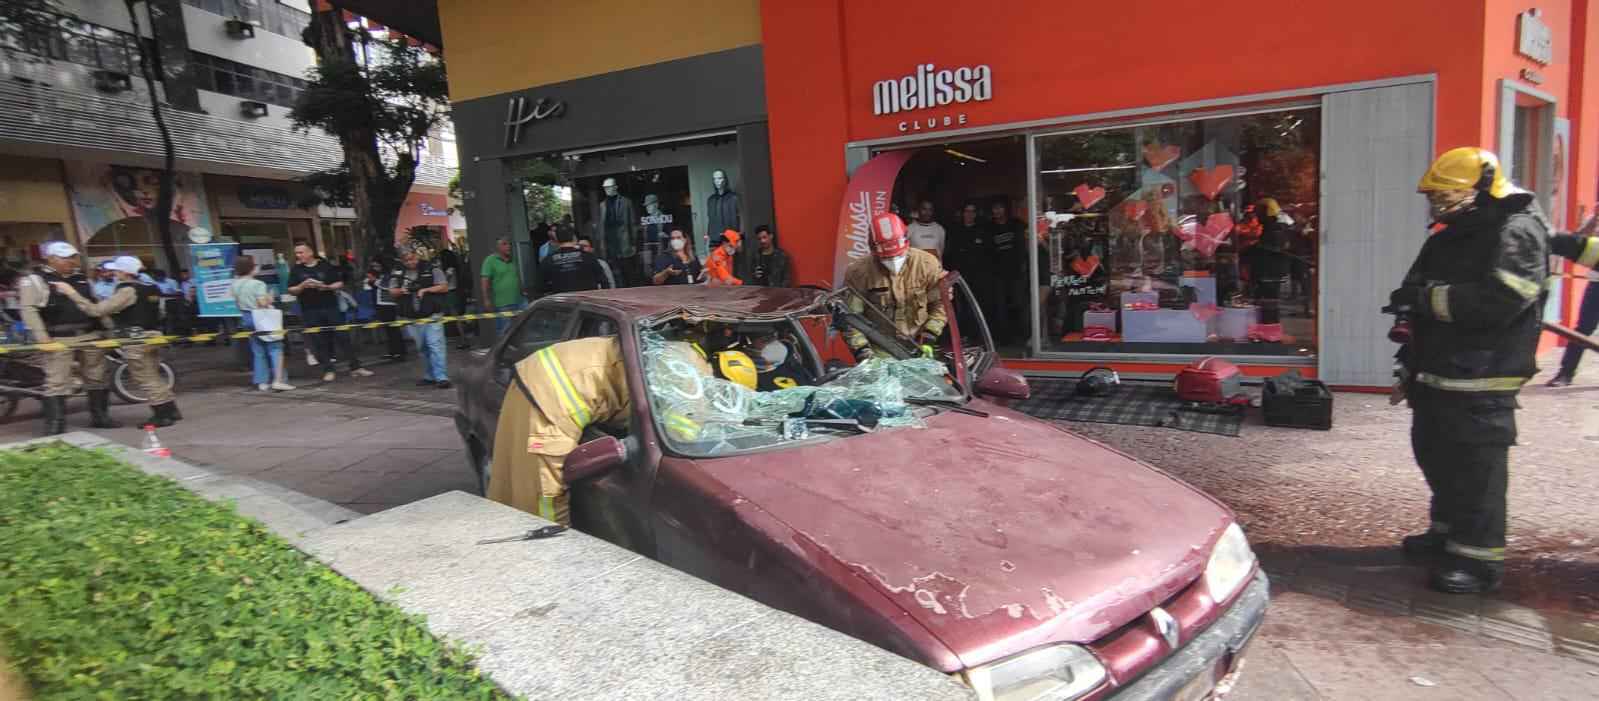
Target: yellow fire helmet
{"type": "Point", "coordinates": [736, 367]}
{"type": "Point", "coordinates": [1466, 168]}
{"type": "Point", "coordinates": [1272, 208]}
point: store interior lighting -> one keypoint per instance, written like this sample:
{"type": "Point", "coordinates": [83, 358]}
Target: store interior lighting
{"type": "Point", "coordinates": [968, 157]}
{"type": "Point", "coordinates": [1087, 170]}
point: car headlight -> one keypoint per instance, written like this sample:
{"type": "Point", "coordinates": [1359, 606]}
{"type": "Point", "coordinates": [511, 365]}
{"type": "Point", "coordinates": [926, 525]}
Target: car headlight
{"type": "Point", "coordinates": [1230, 564]}
{"type": "Point", "coordinates": [1054, 673]}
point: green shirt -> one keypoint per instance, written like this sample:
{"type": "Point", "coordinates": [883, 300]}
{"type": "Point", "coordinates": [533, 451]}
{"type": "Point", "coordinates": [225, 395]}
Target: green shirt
{"type": "Point", "coordinates": [504, 284]}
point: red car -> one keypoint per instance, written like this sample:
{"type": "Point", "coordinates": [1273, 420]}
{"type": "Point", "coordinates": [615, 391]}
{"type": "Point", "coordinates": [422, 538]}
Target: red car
{"type": "Point", "coordinates": [895, 501]}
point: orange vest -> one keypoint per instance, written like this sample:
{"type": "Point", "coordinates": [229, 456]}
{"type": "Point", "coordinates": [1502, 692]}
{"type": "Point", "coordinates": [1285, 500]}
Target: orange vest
{"type": "Point", "coordinates": [719, 267]}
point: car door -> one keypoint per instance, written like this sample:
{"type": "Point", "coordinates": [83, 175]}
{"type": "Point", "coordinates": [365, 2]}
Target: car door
{"type": "Point", "coordinates": [613, 506]}
{"type": "Point", "coordinates": [541, 326]}
{"type": "Point", "coordinates": [966, 347]}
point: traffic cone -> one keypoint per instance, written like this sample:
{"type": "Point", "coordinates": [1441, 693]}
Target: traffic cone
{"type": "Point", "coordinates": [152, 444]}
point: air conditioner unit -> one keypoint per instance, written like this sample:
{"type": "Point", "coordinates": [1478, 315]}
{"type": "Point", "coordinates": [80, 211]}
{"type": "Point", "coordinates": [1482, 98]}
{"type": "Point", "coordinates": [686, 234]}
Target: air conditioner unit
{"type": "Point", "coordinates": [240, 29]}
{"type": "Point", "coordinates": [252, 109]}
{"type": "Point", "coordinates": [112, 81]}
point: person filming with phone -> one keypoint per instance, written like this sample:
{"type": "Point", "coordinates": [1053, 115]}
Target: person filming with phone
{"type": "Point", "coordinates": [680, 266]}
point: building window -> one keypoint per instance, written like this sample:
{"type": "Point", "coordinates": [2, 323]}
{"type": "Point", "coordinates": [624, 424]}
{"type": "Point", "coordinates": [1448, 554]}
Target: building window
{"type": "Point", "coordinates": [1187, 237]}
{"type": "Point", "coordinates": [270, 15]}
{"type": "Point", "coordinates": [61, 38]}
{"type": "Point", "coordinates": [245, 82]}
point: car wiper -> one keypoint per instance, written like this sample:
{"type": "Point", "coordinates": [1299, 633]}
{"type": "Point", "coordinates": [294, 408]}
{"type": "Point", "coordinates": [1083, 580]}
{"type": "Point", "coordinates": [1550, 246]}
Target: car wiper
{"type": "Point", "coordinates": [949, 404]}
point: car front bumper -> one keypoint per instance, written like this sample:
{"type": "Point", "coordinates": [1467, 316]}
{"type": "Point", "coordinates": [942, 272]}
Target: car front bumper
{"type": "Point", "coordinates": [1213, 655]}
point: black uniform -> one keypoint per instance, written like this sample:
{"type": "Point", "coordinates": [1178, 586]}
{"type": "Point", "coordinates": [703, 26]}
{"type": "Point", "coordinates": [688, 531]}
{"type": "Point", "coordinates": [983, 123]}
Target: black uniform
{"type": "Point", "coordinates": [1475, 295]}
{"type": "Point", "coordinates": [571, 270]}
{"type": "Point", "coordinates": [61, 315]}
{"type": "Point", "coordinates": [423, 277]}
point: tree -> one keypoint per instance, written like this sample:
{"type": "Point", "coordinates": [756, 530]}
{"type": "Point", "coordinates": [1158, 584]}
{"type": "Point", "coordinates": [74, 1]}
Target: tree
{"type": "Point", "coordinates": [381, 97]}
{"type": "Point", "coordinates": [162, 216]}
{"type": "Point", "coordinates": [539, 178]}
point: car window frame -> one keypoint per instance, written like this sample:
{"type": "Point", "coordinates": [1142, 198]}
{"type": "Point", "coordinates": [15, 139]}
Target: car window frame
{"type": "Point", "coordinates": [524, 319]}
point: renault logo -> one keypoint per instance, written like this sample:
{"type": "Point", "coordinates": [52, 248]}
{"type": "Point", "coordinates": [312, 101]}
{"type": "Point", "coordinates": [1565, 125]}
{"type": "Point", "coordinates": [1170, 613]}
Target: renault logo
{"type": "Point", "coordinates": [1167, 626]}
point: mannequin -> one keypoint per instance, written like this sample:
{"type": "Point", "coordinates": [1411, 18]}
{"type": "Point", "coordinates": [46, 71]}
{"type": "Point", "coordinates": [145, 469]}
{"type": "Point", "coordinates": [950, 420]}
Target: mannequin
{"type": "Point", "coordinates": [617, 233]}
{"type": "Point", "coordinates": [657, 226]}
{"type": "Point", "coordinates": [721, 208]}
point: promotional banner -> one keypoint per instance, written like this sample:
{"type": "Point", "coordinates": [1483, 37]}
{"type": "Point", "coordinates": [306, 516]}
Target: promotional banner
{"type": "Point", "coordinates": [103, 194]}
{"type": "Point", "coordinates": [211, 265]}
{"type": "Point", "coordinates": [866, 196]}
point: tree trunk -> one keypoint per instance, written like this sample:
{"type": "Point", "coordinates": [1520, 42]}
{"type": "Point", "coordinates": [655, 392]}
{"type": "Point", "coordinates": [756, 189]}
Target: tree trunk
{"type": "Point", "coordinates": [377, 209]}
{"type": "Point", "coordinates": [162, 217]}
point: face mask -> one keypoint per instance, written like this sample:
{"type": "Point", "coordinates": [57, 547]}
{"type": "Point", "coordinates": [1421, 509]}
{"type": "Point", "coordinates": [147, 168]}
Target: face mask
{"type": "Point", "coordinates": [896, 263]}
{"type": "Point", "coordinates": [774, 353]}
{"type": "Point", "coordinates": [677, 244]}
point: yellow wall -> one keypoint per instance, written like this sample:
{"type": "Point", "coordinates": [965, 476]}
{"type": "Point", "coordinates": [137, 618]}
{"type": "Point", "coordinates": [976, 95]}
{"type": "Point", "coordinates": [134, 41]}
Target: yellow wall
{"type": "Point", "coordinates": [31, 191]}
{"type": "Point", "coordinates": [496, 46]}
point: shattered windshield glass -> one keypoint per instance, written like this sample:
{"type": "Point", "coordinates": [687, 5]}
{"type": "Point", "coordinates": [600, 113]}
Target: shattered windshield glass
{"type": "Point", "coordinates": [719, 386]}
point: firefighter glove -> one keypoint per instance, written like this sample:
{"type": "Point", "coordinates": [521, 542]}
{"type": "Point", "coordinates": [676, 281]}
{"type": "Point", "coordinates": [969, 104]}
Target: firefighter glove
{"type": "Point", "coordinates": [1409, 299]}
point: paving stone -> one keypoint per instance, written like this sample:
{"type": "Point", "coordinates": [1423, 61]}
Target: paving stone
{"type": "Point", "coordinates": [1268, 675]}
{"type": "Point", "coordinates": [1360, 671]}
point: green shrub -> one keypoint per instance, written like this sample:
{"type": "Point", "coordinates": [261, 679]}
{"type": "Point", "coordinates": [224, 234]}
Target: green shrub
{"type": "Point", "coordinates": [115, 584]}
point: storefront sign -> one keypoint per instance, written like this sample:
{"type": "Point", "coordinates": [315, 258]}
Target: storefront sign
{"type": "Point", "coordinates": [212, 265]}
{"type": "Point", "coordinates": [1531, 76]}
{"type": "Point", "coordinates": [866, 196]}
{"type": "Point", "coordinates": [519, 112]}
{"type": "Point", "coordinates": [1534, 39]}
{"type": "Point", "coordinates": [428, 210]}
{"type": "Point", "coordinates": [931, 87]}
{"type": "Point", "coordinates": [264, 197]}
{"type": "Point", "coordinates": [650, 219]}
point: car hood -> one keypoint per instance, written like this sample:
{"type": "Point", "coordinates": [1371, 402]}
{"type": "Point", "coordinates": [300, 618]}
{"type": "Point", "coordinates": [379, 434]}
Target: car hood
{"type": "Point", "coordinates": [996, 534]}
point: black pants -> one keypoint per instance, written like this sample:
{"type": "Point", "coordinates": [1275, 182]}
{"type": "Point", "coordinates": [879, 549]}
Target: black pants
{"type": "Point", "coordinates": [1462, 442]}
{"type": "Point", "coordinates": [391, 334]}
{"type": "Point", "coordinates": [1587, 321]}
{"type": "Point", "coordinates": [322, 343]}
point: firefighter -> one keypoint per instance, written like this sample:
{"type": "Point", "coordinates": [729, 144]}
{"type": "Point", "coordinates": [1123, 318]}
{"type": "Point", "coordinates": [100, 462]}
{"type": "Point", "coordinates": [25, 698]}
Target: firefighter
{"type": "Point", "coordinates": [901, 281]}
{"type": "Point", "coordinates": [1581, 248]}
{"type": "Point", "coordinates": [1474, 296]}
{"type": "Point", "coordinates": [135, 310]}
{"type": "Point", "coordinates": [51, 317]}
{"type": "Point", "coordinates": [719, 266]}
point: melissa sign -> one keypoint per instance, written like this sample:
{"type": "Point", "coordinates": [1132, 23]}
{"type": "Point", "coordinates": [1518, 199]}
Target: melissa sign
{"type": "Point", "coordinates": [931, 87]}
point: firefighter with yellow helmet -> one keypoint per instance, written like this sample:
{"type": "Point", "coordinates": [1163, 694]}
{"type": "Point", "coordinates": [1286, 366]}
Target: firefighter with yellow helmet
{"type": "Point", "coordinates": [1474, 296]}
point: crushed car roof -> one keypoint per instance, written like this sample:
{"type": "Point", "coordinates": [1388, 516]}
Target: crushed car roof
{"type": "Point", "coordinates": [745, 301]}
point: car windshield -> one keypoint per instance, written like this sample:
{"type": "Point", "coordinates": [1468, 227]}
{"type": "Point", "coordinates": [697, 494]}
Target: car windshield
{"type": "Point", "coordinates": [719, 386]}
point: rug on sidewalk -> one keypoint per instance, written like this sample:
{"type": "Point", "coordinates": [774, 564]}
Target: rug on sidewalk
{"type": "Point", "coordinates": [1129, 404]}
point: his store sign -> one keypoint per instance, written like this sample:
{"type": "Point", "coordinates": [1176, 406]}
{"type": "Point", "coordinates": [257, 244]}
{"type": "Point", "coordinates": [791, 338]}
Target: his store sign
{"type": "Point", "coordinates": [1534, 39]}
{"type": "Point", "coordinates": [931, 87]}
{"type": "Point", "coordinates": [519, 111]}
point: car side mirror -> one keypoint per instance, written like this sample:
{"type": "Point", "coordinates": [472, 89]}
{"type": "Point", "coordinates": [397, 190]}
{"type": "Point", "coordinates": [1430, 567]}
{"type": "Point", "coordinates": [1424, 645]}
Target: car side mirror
{"type": "Point", "coordinates": [593, 459]}
{"type": "Point", "coordinates": [1004, 383]}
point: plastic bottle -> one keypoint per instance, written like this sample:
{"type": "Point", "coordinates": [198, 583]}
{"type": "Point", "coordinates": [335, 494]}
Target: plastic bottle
{"type": "Point", "coordinates": [152, 445]}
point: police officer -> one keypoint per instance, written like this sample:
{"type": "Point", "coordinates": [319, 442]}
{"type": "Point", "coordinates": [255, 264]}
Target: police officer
{"type": "Point", "coordinates": [902, 281]}
{"type": "Point", "coordinates": [51, 317]}
{"type": "Point", "coordinates": [569, 268]}
{"type": "Point", "coordinates": [135, 310]}
{"type": "Point", "coordinates": [1474, 296]}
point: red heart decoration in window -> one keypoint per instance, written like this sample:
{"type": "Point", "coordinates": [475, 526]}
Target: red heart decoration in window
{"type": "Point", "coordinates": [1206, 237]}
{"type": "Point", "coordinates": [1088, 196]}
{"type": "Point", "coordinates": [1134, 209]}
{"type": "Point", "coordinates": [1160, 155]}
{"type": "Point", "coordinates": [1210, 181]}
{"type": "Point", "coordinates": [1085, 266]}
{"type": "Point", "coordinates": [1204, 312]}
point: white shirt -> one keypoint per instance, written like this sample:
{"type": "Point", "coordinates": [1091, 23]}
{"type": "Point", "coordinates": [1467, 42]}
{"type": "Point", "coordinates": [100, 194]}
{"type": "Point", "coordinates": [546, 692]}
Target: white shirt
{"type": "Point", "coordinates": [926, 236]}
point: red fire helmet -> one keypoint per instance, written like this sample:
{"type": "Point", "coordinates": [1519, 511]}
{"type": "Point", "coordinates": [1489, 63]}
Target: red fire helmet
{"type": "Point", "coordinates": [888, 235]}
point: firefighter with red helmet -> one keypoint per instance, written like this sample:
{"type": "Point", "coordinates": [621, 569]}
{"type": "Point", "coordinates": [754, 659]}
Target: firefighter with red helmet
{"type": "Point", "coordinates": [1474, 296]}
{"type": "Point", "coordinates": [902, 281]}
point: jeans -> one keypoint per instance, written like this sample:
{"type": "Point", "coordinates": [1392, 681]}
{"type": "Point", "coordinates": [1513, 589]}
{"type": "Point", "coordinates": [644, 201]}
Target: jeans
{"type": "Point", "coordinates": [265, 355]}
{"type": "Point", "coordinates": [429, 339]}
{"type": "Point", "coordinates": [1587, 321]}
{"type": "Point", "coordinates": [322, 343]}
{"type": "Point", "coordinates": [503, 323]}
{"type": "Point", "coordinates": [396, 344]}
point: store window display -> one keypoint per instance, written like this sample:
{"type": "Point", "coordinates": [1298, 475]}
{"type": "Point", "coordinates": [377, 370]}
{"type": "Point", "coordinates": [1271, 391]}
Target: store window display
{"type": "Point", "coordinates": [1191, 237]}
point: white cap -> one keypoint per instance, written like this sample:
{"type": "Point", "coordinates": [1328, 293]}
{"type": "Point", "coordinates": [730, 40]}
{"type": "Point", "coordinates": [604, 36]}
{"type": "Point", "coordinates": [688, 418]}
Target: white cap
{"type": "Point", "coordinates": [59, 249]}
{"type": "Point", "coordinates": [126, 264]}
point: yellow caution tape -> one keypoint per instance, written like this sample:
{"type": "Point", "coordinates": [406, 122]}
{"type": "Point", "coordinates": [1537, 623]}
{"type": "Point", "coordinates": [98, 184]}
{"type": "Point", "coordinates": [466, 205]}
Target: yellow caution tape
{"type": "Point", "coordinates": [107, 343]}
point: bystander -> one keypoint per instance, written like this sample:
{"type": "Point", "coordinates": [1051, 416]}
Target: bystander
{"type": "Point", "coordinates": [608, 280]}
{"type": "Point", "coordinates": [316, 284]}
{"type": "Point", "coordinates": [502, 286]}
{"type": "Point", "coordinates": [771, 262]}
{"type": "Point", "coordinates": [422, 293]}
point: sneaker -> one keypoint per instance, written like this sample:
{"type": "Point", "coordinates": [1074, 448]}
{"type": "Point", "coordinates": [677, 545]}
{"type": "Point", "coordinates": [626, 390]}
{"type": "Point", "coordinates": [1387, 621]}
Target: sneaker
{"type": "Point", "coordinates": [310, 359]}
{"type": "Point", "coordinates": [1561, 380]}
{"type": "Point", "coordinates": [361, 372]}
{"type": "Point", "coordinates": [329, 376]}
{"type": "Point", "coordinates": [443, 384]}
{"type": "Point", "coordinates": [264, 387]}
{"type": "Point", "coordinates": [424, 383]}
{"type": "Point", "coordinates": [281, 386]}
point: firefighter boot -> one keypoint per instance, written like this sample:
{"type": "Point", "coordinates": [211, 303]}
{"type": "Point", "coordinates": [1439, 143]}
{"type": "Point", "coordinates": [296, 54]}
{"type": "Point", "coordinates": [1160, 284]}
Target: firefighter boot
{"type": "Point", "coordinates": [1423, 544]}
{"type": "Point", "coordinates": [164, 415]}
{"type": "Point", "coordinates": [55, 415]}
{"type": "Point", "coordinates": [100, 409]}
{"type": "Point", "coordinates": [1463, 575]}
